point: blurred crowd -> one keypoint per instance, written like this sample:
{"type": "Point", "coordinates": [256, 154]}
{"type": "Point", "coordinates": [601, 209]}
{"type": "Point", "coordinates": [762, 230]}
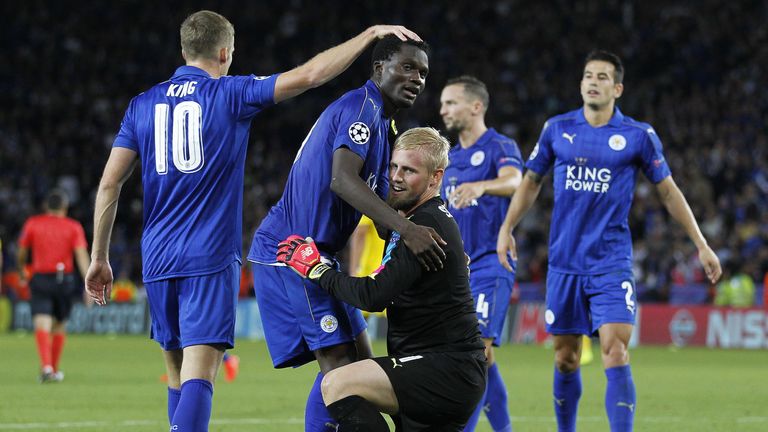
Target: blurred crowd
{"type": "Point", "coordinates": [692, 70]}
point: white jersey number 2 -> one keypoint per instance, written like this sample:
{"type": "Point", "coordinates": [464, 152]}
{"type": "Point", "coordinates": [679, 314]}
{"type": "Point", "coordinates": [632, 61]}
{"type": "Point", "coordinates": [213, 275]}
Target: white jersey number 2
{"type": "Point", "coordinates": [186, 137]}
{"type": "Point", "coordinates": [627, 285]}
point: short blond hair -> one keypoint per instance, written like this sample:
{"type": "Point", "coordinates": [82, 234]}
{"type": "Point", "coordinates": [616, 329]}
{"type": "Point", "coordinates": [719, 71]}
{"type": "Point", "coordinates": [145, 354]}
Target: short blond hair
{"type": "Point", "coordinates": [203, 33]}
{"type": "Point", "coordinates": [427, 140]}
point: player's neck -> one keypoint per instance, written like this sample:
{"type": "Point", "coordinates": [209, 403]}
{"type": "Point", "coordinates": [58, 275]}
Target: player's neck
{"type": "Point", "coordinates": [426, 196]}
{"type": "Point", "coordinates": [211, 67]}
{"type": "Point", "coordinates": [598, 116]}
{"type": "Point", "coordinates": [469, 136]}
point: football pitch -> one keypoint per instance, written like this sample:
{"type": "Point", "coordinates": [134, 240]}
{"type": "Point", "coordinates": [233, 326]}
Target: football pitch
{"type": "Point", "coordinates": [113, 383]}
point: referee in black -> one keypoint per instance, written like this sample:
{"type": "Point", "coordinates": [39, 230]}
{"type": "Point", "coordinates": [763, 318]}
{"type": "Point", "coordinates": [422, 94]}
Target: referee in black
{"type": "Point", "coordinates": [435, 371]}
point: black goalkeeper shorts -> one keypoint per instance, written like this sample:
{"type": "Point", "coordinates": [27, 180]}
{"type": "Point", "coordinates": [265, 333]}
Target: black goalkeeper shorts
{"type": "Point", "coordinates": [436, 391]}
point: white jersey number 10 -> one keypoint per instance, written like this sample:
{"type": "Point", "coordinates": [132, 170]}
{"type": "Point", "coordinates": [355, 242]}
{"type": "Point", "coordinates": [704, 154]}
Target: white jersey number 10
{"type": "Point", "coordinates": [186, 137]}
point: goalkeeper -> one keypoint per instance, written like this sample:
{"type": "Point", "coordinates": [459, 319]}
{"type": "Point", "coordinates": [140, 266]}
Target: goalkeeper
{"type": "Point", "coordinates": [435, 372]}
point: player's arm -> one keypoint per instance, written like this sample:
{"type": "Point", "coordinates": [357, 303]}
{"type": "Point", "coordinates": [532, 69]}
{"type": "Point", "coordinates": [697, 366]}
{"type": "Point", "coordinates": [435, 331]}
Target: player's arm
{"type": "Point", "coordinates": [331, 62]}
{"type": "Point", "coordinates": [374, 294]}
{"type": "Point", "coordinates": [678, 207]}
{"type": "Point", "coordinates": [98, 279]}
{"type": "Point", "coordinates": [83, 260]}
{"type": "Point", "coordinates": [505, 185]}
{"type": "Point", "coordinates": [522, 201]}
{"type": "Point", "coordinates": [347, 185]}
{"type": "Point", "coordinates": [367, 293]}
{"type": "Point", "coordinates": [21, 262]}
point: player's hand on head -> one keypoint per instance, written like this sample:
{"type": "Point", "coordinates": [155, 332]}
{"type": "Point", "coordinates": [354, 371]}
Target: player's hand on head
{"type": "Point", "coordinates": [98, 281]}
{"type": "Point", "coordinates": [711, 264]}
{"type": "Point", "coordinates": [506, 244]}
{"type": "Point", "coordinates": [302, 256]}
{"type": "Point", "coordinates": [426, 244]}
{"type": "Point", "coordinates": [401, 32]}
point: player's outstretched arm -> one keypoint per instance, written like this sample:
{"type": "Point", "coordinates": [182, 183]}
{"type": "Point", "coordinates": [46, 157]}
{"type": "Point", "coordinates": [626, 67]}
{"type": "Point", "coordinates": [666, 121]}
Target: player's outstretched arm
{"type": "Point", "coordinates": [522, 201]}
{"type": "Point", "coordinates": [331, 62]}
{"type": "Point", "coordinates": [423, 241]}
{"type": "Point", "coordinates": [678, 207]}
{"type": "Point", "coordinates": [98, 278]}
{"type": "Point", "coordinates": [504, 185]}
{"type": "Point", "coordinates": [368, 293]}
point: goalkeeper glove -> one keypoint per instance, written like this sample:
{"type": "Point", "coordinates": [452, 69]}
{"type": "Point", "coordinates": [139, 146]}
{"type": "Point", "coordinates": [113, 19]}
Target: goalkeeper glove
{"type": "Point", "coordinates": [302, 256]}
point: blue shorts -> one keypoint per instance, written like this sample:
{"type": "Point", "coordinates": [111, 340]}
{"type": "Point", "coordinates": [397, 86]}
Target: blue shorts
{"type": "Point", "coordinates": [581, 304]}
{"type": "Point", "coordinates": [197, 310]}
{"type": "Point", "coordinates": [299, 317]}
{"type": "Point", "coordinates": [491, 295]}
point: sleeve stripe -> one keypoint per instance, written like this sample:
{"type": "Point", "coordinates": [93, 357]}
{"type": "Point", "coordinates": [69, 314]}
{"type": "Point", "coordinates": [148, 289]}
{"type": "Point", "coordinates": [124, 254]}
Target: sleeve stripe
{"type": "Point", "coordinates": [362, 107]}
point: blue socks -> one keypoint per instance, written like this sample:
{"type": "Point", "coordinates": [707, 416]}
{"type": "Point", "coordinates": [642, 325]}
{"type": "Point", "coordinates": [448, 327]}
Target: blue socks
{"type": "Point", "coordinates": [173, 401]}
{"type": "Point", "coordinates": [494, 403]}
{"type": "Point", "coordinates": [316, 415]}
{"type": "Point", "coordinates": [620, 400]}
{"type": "Point", "coordinates": [194, 409]}
{"type": "Point", "coordinates": [567, 391]}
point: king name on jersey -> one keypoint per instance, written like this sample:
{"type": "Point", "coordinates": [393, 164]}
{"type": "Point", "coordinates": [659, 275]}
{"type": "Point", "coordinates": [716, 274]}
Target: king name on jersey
{"type": "Point", "coordinates": [587, 179]}
{"type": "Point", "coordinates": [181, 90]}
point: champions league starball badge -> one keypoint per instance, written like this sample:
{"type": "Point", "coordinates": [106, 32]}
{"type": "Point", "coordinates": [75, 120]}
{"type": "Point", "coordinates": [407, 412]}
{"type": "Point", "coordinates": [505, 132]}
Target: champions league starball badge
{"type": "Point", "coordinates": [359, 133]}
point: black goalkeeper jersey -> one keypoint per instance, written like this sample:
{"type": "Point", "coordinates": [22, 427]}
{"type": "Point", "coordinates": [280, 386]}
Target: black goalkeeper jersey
{"type": "Point", "coordinates": [428, 311]}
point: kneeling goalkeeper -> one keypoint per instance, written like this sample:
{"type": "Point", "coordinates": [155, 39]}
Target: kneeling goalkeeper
{"type": "Point", "coordinates": [435, 371]}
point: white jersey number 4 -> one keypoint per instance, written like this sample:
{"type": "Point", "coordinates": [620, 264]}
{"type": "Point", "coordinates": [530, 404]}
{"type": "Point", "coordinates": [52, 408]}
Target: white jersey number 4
{"type": "Point", "coordinates": [186, 137]}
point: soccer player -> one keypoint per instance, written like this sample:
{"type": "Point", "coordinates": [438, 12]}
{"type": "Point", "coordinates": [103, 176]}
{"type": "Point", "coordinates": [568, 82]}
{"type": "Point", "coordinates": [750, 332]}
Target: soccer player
{"type": "Point", "coordinates": [596, 152]}
{"type": "Point", "coordinates": [434, 374]}
{"type": "Point", "coordinates": [485, 170]}
{"type": "Point", "coordinates": [190, 133]}
{"type": "Point", "coordinates": [339, 172]}
{"type": "Point", "coordinates": [54, 240]}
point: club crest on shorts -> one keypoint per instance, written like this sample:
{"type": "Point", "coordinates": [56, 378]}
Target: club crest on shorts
{"type": "Point", "coordinates": [477, 158]}
{"type": "Point", "coordinates": [549, 317]}
{"type": "Point", "coordinates": [617, 142]}
{"type": "Point", "coordinates": [359, 133]}
{"type": "Point", "coordinates": [329, 323]}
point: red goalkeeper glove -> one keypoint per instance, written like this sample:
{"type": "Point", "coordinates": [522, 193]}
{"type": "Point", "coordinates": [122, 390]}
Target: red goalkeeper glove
{"type": "Point", "coordinates": [302, 256]}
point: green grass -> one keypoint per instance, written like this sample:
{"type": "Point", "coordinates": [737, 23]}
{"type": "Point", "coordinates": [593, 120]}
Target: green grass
{"type": "Point", "coordinates": [112, 383]}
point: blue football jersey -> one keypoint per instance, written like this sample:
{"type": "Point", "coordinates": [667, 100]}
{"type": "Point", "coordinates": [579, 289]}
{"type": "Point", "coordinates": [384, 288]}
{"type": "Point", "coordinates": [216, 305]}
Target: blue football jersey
{"type": "Point", "coordinates": [479, 223]}
{"type": "Point", "coordinates": [191, 134]}
{"type": "Point", "coordinates": [308, 207]}
{"type": "Point", "coordinates": [595, 170]}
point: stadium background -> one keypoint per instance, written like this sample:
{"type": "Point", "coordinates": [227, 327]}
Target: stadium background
{"type": "Point", "coordinates": [694, 70]}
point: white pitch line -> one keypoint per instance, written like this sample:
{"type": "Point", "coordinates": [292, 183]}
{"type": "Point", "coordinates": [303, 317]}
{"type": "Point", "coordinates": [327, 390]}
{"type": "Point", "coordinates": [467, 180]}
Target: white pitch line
{"type": "Point", "coordinates": [297, 421]}
{"type": "Point", "coordinates": [126, 423]}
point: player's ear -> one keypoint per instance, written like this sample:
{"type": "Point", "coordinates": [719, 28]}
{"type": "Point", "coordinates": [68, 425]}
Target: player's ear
{"type": "Point", "coordinates": [223, 55]}
{"type": "Point", "coordinates": [477, 107]}
{"type": "Point", "coordinates": [436, 178]}
{"type": "Point", "coordinates": [618, 90]}
{"type": "Point", "coordinates": [378, 69]}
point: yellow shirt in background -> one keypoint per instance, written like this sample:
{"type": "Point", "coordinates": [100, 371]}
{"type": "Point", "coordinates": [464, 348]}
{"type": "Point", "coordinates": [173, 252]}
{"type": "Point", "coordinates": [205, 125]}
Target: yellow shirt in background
{"type": "Point", "coordinates": [373, 250]}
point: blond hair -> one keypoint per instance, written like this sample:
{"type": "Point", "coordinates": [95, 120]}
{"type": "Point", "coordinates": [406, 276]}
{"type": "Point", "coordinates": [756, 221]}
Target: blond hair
{"type": "Point", "coordinates": [203, 33]}
{"type": "Point", "coordinates": [429, 142]}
